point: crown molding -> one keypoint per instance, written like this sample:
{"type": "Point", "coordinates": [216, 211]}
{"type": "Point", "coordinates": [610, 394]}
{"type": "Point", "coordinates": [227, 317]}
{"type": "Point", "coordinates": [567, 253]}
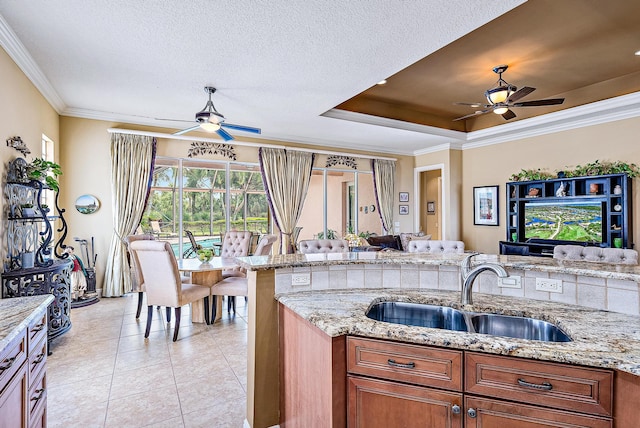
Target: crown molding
{"type": "Point", "coordinates": [455, 145]}
{"type": "Point", "coordinates": [394, 123]}
{"type": "Point", "coordinates": [610, 110]}
{"type": "Point", "coordinates": [16, 50]}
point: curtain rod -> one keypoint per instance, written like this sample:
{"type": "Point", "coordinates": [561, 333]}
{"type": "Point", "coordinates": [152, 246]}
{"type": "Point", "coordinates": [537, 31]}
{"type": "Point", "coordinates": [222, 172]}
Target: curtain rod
{"type": "Point", "coordinates": [240, 143]}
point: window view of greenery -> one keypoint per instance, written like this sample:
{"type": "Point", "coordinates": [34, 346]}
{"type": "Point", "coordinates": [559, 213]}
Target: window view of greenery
{"type": "Point", "coordinates": [204, 207]}
{"type": "Point", "coordinates": [567, 221]}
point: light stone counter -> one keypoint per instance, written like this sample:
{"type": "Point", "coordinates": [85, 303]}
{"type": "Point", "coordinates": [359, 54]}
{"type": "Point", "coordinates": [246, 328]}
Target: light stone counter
{"type": "Point", "coordinates": [16, 314]}
{"type": "Point", "coordinates": [537, 264]}
{"type": "Point", "coordinates": [600, 338]}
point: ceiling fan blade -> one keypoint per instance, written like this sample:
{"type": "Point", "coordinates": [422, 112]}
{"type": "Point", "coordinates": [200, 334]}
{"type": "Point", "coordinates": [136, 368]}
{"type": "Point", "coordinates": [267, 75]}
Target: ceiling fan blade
{"type": "Point", "coordinates": [475, 105]}
{"type": "Point", "coordinates": [537, 103]}
{"type": "Point", "coordinates": [241, 128]}
{"type": "Point", "coordinates": [184, 131]}
{"type": "Point", "coordinates": [224, 134]}
{"type": "Point", "coordinates": [508, 115]}
{"type": "Point", "coordinates": [523, 92]}
{"type": "Point", "coordinates": [478, 113]}
{"type": "Point", "coordinates": [173, 120]}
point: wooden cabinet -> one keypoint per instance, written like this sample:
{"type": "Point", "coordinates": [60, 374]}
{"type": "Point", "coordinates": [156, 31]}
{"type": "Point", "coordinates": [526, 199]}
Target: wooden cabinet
{"type": "Point", "coordinates": [377, 403]}
{"type": "Point", "coordinates": [23, 378]}
{"type": "Point", "coordinates": [417, 386]}
{"type": "Point", "coordinates": [534, 207]}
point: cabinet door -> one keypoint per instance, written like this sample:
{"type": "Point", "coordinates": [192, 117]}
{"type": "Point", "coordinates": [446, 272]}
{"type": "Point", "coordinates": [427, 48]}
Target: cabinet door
{"type": "Point", "coordinates": [13, 401]}
{"type": "Point", "coordinates": [378, 403]}
{"type": "Point", "coordinates": [486, 413]}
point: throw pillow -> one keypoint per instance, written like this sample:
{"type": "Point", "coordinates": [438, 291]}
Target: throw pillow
{"type": "Point", "coordinates": [406, 237]}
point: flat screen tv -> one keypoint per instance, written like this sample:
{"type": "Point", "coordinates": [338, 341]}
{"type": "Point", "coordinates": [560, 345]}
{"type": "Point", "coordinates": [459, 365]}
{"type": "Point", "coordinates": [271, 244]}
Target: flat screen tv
{"type": "Point", "coordinates": [564, 220]}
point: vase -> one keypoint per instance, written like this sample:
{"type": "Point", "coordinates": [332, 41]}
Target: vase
{"type": "Point", "coordinates": [27, 260]}
{"type": "Point", "coordinates": [617, 190]}
{"type": "Point", "coordinates": [593, 188]}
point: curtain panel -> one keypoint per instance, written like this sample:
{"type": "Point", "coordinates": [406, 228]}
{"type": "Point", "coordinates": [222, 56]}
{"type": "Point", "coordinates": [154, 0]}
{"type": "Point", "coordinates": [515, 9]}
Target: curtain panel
{"type": "Point", "coordinates": [384, 177]}
{"type": "Point", "coordinates": [286, 176]}
{"type": "Point", "coordinates": [132, 158]}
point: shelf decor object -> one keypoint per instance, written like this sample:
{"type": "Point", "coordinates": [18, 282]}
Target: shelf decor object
{"type": "Point", "coordinates": [485, 206]}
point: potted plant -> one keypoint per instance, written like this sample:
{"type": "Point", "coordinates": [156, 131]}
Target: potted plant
{"type": "Point", "coordinates": [27, 210]}
{"type": "Point", "coordinates": [205, 254]}
{"type": "Point", "coordinates": [46, 172]}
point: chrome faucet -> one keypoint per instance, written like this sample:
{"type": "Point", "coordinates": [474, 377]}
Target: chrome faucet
{"type": "Point", "coordinates": [469, 275]}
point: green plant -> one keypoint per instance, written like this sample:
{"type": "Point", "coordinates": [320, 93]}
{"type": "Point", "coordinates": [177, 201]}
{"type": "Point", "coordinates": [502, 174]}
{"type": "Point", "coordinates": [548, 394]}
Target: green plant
{"type": "Point", "coordinates": [331, 234]}
{"type": "Point", "coordinates": [603, 168]}
{"type": "Point", "coordinates": [531, 175]}
{"type": "Point", "coordinates": [46, 171]}
{"type": "Point", "coordinates": [26, 206]}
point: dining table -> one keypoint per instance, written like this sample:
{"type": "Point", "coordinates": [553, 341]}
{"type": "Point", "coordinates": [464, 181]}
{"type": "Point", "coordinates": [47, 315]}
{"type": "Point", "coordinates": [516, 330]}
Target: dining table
{"type": "Point", "coordinates": [206, 273]}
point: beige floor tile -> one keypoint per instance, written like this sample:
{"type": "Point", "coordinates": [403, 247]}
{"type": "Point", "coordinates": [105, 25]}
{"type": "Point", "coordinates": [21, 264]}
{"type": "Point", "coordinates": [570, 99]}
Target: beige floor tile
{"type": "Point", "coordinates": [76, 414]}
{"type": "Point", "coordinates": [113, 377]}
{"type": "Point", "coordinates": [130, 382]}
{"type": "Point", "coordinates": [144, 409]}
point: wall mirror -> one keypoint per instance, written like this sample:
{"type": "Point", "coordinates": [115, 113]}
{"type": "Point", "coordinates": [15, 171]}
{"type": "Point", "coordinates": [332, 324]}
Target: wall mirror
{"type": "Point", "coordinates": [87, 204]}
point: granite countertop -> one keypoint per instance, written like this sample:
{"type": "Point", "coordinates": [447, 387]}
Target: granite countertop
{"type": "Point", "coordinates": [17, 313]}
{"type": "Point", "coordinates": [527, 263]}
{"type": "Point", "coordinates": [600, 338]}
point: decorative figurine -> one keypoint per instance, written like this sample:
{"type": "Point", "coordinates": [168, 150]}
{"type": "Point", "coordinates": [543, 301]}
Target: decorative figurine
{"type": "Point", "coordinates": [561, 190]}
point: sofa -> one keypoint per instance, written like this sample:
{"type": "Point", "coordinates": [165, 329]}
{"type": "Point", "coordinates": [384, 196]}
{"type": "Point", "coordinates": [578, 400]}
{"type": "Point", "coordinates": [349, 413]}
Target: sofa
{"type": "Point", "coordinates": [396, 242]}
{"type": "Point", "coordinates": [596, 254]}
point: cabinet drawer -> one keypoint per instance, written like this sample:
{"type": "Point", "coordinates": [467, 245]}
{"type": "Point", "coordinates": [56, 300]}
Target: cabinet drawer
{"type": "Point", "coordinates": [37, 393]}
{"type": "Point", "coordinates": [580, 389]}
{"type": "Point", "coordinates": [37, 330]}
{"type": "Point", "coordinates": [493, 413]}
{"type": "Point", "coordinates": [419, 365]}
{"type": "Point", "coordinates": [37, 357]}
{"type": "Point", "coordinates": [12, 358]}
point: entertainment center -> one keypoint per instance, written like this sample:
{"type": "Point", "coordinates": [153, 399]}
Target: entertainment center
{"type": "Point", "coordinates": [590, 210]}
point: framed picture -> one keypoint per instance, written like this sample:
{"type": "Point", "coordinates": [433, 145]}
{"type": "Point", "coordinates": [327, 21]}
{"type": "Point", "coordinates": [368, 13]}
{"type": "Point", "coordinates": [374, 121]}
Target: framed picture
{"type": "Point", "coordinates": [485, 206]}
{"type": "Point", "coordinates": [404, 209]}
{"type": "Point", "coordinates": [431, 207]}
{"type": "Point", "coordinates": [404, 196]}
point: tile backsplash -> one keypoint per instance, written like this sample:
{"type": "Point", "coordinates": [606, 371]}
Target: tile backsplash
{"type": "Point", "coordinates": [599, 293]}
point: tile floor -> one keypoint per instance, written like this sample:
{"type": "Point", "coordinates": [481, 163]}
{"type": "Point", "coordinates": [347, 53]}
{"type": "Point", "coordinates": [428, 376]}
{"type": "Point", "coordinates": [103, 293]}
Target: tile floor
{"type": "Point", "coordinates": [103, 373]}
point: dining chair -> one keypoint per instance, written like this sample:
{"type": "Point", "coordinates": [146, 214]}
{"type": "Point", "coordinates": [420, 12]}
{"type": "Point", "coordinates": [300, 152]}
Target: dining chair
{"type": "Point", "coordinates": [163, 283]}
{"type": "Point", "coordinates": [137, 283]}
{"type": "Point", "coordinates": [237, 285]}
{"type": "Point", "coordinates": [235, 244]}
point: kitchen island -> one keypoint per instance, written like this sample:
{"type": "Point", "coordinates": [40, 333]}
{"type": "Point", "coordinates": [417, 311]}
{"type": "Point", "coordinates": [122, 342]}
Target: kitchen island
{"type": "Point", "coordinates": [334, 303]}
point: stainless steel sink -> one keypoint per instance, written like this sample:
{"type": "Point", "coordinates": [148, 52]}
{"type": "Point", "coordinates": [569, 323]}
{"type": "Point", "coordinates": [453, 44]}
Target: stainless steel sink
{"type": "Point", "coordinates": [418, 315]}
{"type": "Point", "coordinates": [447, 318]}
{"type": "Point", "coordinates": [518, 327]}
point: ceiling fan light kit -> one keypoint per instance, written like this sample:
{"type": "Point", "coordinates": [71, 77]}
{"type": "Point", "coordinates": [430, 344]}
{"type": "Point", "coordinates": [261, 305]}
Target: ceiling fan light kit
{"type": "Point", "coordinates": [211, 120]}
{"type": "Point", "coordinates": [502, 98]}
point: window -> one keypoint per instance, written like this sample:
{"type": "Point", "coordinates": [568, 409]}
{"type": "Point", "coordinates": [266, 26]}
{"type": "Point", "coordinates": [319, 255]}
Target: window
{"type": "Point", "coordinates": [206, 198]}
{"type": "Point", "coordinates": [339, 202]}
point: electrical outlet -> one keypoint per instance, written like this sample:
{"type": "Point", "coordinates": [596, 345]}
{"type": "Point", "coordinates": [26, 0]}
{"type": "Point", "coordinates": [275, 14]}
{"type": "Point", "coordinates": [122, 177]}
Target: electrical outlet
{"type": "Point", "coordinates": [300, 279]}
{"type": "Point", "coordinates": [512, 281]}
{"type": "Point", "coordinates": [550, 285]}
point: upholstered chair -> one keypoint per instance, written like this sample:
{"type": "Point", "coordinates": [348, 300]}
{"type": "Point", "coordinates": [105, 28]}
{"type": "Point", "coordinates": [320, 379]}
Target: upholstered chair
{"type": "Point", "coordinates": [137, 283]}
{"type": "Point", "coordinates": [310, 246]}
{"type": "Point", "coordinates": [235, 244]}
{"type": "Point", "coordinates": [163, 283]}
{"type": "Point", "coordinates": [236, 285]}
{"type": "Point", "coordinates": [619, 256]}
{"type": "Point", "coordinates": [436, 247]}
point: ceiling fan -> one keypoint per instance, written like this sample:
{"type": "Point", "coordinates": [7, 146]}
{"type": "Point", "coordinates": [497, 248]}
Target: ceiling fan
{"type": "Point", "coordinates": [210, 120]}
{"type": "Point", "coordinates": [503, 98]}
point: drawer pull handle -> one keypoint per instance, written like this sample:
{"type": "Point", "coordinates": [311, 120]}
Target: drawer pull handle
{"type": "Point", "coordinates": [39, 393]}
{"type": "Point", "coordinates": [38, 359]}
{"type": "Point", "coordinates": [393, 363]}
{"type": "Point", "coordinates": [472, 413]}
{"type": "Point", "coordinates": [7, 364]}
{"type": "Point", "coordinates": [545, 386]}
{"type": "Point", "coordinates": [455, 409]}
{"type": "Point", "coordinates": [38, 327]}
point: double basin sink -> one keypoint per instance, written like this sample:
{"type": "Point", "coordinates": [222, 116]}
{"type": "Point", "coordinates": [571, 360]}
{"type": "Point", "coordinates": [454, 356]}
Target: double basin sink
{"type": "Point", "coordinates": [448, 318]}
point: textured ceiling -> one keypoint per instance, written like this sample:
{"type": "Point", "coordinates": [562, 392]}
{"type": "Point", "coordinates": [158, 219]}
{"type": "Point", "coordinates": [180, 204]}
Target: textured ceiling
{"type": "Point", "coordinates": [282, 65]}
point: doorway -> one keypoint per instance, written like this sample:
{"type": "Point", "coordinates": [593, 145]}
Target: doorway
{"type": "Point", "coordinates": [428, 183]}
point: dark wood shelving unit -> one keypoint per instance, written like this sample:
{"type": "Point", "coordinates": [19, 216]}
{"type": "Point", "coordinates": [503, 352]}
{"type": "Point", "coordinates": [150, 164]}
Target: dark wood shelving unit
{"type": "Point", "coordinates": [612, 191]}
